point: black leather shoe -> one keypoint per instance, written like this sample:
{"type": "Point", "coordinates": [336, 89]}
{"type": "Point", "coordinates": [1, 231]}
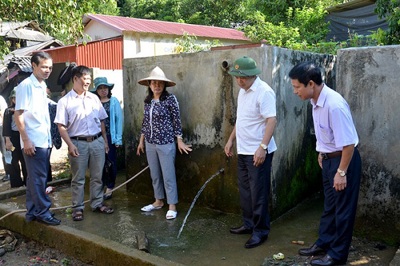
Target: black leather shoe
{"type": "Point", "coordinates": [50, 220]}
{"type": "Point", "coordinates": [326, 261]}
{"type": "Point", "coordinates": [241, 230]}
{"type": "Point", "coordinates": [311, 251]}
{"type": "Point", "coordinates": [255, 241]}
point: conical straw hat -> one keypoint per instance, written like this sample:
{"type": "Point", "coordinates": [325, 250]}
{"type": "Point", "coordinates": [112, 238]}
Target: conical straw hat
{"type": "Point", "coordinates": [157, 74]}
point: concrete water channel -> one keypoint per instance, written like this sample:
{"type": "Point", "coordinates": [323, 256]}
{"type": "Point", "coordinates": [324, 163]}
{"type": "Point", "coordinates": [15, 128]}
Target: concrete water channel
{"type": "Point", "coordinates": [205, 240]}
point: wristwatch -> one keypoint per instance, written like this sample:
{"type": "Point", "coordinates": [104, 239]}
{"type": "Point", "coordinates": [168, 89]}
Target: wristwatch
{"type": "Point", "coordinates": [341, 172]}
{"type": "Point", "coordinates": [263, 146]}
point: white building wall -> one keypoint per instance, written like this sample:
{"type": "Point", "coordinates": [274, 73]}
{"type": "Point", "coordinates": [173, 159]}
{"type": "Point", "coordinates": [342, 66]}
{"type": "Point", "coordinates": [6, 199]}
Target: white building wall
{"type": "Point", "coordinates": [97, 31]}
{"type": "Point", "coordinates": [144, 45]}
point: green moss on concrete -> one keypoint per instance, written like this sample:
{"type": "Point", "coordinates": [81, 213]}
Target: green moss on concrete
{"type": "Point", "coordinates": [298, 182]}
{"type": "Point", "coordinates": [381, 229]}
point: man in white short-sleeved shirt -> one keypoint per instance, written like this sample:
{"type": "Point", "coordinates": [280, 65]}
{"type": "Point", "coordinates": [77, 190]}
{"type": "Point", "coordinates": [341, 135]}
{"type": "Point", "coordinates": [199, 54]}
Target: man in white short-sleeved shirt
{"type": "Point", "coordinates": [33, 121]}
{"type": "Point", "coordinates": [79, 117]}
{"type": "Point", "coordinates": [255, 125]}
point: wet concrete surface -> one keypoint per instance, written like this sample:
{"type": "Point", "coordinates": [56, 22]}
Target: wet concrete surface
{"type": "Point", "coordinates": [205, 239]}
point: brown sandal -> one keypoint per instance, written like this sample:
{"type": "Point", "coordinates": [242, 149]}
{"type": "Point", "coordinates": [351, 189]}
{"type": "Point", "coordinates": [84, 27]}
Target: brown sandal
{"type": "Point", "coordinates": [104, 209]}
{"type": "Point", "coordinates": [77, 215]}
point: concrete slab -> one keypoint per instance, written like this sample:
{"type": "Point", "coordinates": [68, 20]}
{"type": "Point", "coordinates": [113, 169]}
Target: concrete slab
{"type": "Point", "coordinates": [88, 247]}
{"type": "Point", "coordinates": [396, 259]}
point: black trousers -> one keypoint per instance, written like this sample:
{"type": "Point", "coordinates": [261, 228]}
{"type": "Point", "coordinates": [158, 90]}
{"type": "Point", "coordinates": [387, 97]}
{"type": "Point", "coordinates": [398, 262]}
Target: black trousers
{"type": "Point", "coordinates": [337, 220]}
{"type": "Point", "coordinates": [254, 186]}
{"type": "Point", "coordinates": [17, 163]}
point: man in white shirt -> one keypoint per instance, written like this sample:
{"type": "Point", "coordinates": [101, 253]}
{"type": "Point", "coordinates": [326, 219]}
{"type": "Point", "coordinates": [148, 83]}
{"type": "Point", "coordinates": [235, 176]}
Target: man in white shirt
{"type": "Point", "coordinates": [340, 162]}
{"type": "Point", "coordinates": [33, 122]}
{"type": "Point", "coordinates": [255, 125]}
{"type": "Point", "coordinates": [79, 117]}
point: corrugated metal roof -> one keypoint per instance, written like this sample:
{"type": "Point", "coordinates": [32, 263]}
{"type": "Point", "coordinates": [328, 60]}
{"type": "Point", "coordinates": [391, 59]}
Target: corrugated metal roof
{"type": "Point", "coordinates": [122, 24]}
{"type": "Point", "coordinates": [104, 54]}
{"type": "Point", "coordinates": [6, 27]}
{"type": "Point", "coordinates": [28, 34]}
{"type": "Point", "coordinates": [23, 62]}
{"type": "Point", "coordinates": [27, 51]}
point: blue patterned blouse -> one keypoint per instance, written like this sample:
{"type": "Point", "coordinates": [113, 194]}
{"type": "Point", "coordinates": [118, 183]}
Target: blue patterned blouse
{"type": "Point", "coordinates": [162, 121]}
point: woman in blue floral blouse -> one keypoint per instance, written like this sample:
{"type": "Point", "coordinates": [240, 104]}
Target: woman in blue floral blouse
{"type": "Point", "coordinates": [161, 126]}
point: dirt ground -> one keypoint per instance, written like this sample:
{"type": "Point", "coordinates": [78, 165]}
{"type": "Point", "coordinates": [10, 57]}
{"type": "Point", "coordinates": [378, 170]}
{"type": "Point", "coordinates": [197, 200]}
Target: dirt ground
{"type": "Point", "coordinates": [28, 252]}
{"type": "Point", "coordinates": [32, 253]}
{"type": "Point", "coordinates": [362, 252]}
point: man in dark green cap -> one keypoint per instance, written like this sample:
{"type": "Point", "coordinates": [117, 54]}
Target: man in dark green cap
{"type": "Point", "coordinates": [255, 125]}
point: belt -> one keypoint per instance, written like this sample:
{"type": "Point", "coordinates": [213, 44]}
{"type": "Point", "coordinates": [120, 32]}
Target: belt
{"type": "Point", "coordinates": [88, 138]}
{"type": "Point", "coordinates": [326, 156]}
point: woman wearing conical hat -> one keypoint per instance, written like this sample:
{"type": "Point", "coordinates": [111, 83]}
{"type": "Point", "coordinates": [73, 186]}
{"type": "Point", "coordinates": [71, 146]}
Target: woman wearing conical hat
{"type": "Point", "coordinates": [160, 128]}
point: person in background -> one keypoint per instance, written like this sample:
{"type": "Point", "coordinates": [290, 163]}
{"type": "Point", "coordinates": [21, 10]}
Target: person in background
{"type": "Point", "coordinates": [33, 121]}
{"type": "Point", "coordinates": [55, 137]}
{"type": "Point", "coordinates": [253, 132]}
{"type": "Point", "coordinates": [12, 139]}
{"type": "Point", "coordinates": [80, 119]}
{"type": "Point", "coordinates": [340, 162]}
{"type": "Point", "coordinates": [3, 107]}
{"type": "Point", "coordinates": [161, 126]}
{"type": "Point", "coordinates": [113, 124]}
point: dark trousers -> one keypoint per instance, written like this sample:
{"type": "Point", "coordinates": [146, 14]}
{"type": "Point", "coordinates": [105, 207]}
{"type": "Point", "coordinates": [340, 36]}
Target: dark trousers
{"type": "Point", "coordinates": [254, 186]}
{"type": "Point", "coordinates": [17, 163]}
{"type": "Point", "coordinates": [112, 155]}
{"type": "Point", "coordinates": [337, 220]}
{"type": "Point", "coordinates": [49, 171]}
{"type": "Point", "coordinates": [37, 201]}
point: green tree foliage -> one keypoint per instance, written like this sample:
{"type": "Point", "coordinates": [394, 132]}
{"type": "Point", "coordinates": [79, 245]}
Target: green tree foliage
{"type": "Point", "coordinates": [166, 10]}
{"type": "Point", "coordinates": [258, 29]}
{"type": "Point", "coordinates": [276, 10]}
{"type": "Point", "coordinates": [188, 44]}
{"type": "Point", "coordinates": [293, 24]}
{"type": "Point", "coordinates": [61, 19]}
{"type": "Point", "coordinates": [390, 9]}
{"type": "Point", "coordinates": [221, 13]}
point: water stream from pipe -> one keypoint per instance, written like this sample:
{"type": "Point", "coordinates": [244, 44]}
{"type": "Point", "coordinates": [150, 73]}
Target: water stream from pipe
{"type": "Point", "coordinates": [197, 196]}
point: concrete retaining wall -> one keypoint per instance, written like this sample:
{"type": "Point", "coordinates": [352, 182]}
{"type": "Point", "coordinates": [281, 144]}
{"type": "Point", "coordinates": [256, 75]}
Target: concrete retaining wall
{"type": "Point", "coordinates": [208, 97]}
{"type": "Point", "coordinates": [369, 79]}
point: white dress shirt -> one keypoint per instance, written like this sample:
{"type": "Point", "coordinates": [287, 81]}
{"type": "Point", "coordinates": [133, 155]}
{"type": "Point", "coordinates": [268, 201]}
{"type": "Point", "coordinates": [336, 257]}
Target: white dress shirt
{"type": "Point", "coordinates": [80, 114]}
{"type": "Point", "coordinates": [31, 96]}
{"type": "Point", "coordinates": [254, 106]}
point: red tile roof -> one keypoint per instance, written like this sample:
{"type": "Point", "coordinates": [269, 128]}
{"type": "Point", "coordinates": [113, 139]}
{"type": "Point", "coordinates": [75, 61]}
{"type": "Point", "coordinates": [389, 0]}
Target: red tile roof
{"type": "Point", "coordinates": [122, 24]}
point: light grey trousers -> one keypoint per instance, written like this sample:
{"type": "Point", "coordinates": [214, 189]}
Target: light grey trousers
{"type": "Point", "coordinates": [92, 155]}
{"type": "Point", "coordinates": [161, 159]}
